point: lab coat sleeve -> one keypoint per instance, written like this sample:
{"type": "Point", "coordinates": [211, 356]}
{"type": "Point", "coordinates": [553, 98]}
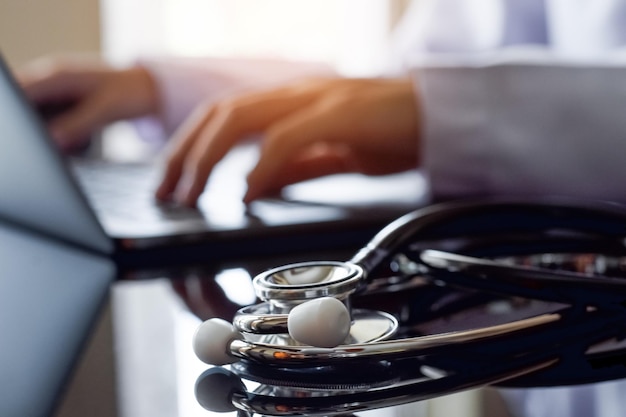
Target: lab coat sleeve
{"type": "Point", "coordinates": [524, 129]}
{"type": "Point", "coordinates": [183, 83]}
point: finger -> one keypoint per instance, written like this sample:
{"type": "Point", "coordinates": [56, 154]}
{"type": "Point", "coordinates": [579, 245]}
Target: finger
{"type": "Point", "coordinates": [316, 124]}
{"type": "Point", "coordinates": [360, 122]}
{"type": "Point", "coordinates": [320, 161]}
{"type": "Point", "coordinates": [88, 115]}
{"type": "Point", "coordinates": [232, 122]}
{"type": "Point", "coordinates": [326, 159]}
{"type": "Point", "coordinates": [384, 161]}
{"type": "Point", "coordinates": [181, 143]}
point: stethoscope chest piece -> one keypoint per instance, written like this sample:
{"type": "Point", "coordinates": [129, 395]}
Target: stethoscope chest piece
{"type": "Point", "coordinates": [314, 296]}
{"type": "Point", "coordinates": [289, 285]}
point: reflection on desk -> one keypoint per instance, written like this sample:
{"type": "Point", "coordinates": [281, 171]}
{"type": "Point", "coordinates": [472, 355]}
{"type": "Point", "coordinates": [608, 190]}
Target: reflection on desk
{"type": "Point", "coordinates": [139, 360]}
{"type": "Point", "coordinates": [154, 327]}
{"type": "Point", "coordinates": [50, 298]}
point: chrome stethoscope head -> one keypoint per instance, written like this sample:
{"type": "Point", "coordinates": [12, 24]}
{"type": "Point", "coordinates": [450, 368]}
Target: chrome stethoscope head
{"type": "Point", "coordinates": [304, 304]}
{"type": "Point", "coordinates": [290, 285]}
{"type": "Point", "coordinates": [314, 301]}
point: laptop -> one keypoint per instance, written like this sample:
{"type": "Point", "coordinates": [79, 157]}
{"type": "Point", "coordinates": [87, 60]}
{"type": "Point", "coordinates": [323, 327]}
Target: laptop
{"type": "Point", "coordinates": [51, 295]}
{"type": "Point", "coordinates": [110, 209]}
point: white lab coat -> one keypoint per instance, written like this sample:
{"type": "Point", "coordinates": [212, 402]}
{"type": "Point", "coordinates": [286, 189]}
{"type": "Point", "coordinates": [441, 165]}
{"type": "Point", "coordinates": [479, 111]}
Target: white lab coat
{"type": "Point", "coordinates": [522, 97]}
{"type": "Point", "coordinates": [525, 97]}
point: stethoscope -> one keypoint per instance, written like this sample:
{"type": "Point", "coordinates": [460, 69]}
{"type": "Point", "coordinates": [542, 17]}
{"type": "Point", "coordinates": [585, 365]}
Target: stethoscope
{"type": "Point", "coordinates": [570, 256]}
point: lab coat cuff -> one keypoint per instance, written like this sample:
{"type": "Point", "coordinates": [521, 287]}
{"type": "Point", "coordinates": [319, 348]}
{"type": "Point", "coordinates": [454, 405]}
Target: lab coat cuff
{"type": "Point", "coordinates": [180, 89]}
{"type": "Point", "coordinates": [455, 114]}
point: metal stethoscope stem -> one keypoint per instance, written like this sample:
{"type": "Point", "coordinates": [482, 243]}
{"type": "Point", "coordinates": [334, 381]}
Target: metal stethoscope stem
{"type": "Point", "coordinates": [383, 350]}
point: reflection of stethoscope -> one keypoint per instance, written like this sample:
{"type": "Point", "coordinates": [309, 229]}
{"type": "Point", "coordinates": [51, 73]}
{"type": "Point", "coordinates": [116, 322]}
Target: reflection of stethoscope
{"type": "Point", "coordinates": [549, 357]}
{"type": "Point", "coordinates": [221, 390]}
{"type": "Point", "coordinates": [572, 257]}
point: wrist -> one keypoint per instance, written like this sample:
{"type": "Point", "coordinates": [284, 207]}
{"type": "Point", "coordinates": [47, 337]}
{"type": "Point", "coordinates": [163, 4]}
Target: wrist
{"type": "Point", "coordinates": [145, 98]}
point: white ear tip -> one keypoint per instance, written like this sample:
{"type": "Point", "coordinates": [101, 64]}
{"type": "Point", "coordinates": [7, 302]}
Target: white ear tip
{"type": "Point", "coordinates": [323, 322]}
{"type": "Point", "coordinates": [211, 342]}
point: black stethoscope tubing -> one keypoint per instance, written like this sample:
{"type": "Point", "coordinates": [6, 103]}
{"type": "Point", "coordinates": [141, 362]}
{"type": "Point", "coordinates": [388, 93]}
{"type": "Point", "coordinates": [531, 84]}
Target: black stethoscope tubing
{"type": "Point", "coordinates": [475, 230]}
{"type": "Point", "coordinates": [480, 219]}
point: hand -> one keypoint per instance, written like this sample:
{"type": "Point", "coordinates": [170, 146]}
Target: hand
{"type": "Point", "coordinates": [310, 129]}
{"type": "Point", "coordinates": [88, 93]}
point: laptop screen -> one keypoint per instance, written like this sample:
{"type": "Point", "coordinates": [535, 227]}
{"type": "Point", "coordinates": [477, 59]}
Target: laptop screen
{"type": "Point", "coordinates": [50, 297]}
{"type": "Point", "coordinates": [36, 189]}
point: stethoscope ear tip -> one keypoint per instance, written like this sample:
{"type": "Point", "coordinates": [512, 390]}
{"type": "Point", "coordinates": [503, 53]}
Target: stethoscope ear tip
{"type": "Point", "coordinates": [211, 342]}
{"type": "Point", "coordinates": [323, 322]}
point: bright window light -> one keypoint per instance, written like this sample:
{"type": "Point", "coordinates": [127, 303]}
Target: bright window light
{"type": "Point", "coordinates": [349, 34]}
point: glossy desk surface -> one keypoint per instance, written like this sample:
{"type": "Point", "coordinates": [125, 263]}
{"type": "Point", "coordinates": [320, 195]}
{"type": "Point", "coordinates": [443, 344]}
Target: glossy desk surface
{"type": "Point", "coordinates": [76, 339]}
{"type": "Point", "coordinates": [128, 341]}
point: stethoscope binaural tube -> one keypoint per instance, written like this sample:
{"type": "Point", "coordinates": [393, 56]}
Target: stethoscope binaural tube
{"type": "Point", "coordinates": [481, 219]}
{"type": "Point", "coordinates": [496, 276]}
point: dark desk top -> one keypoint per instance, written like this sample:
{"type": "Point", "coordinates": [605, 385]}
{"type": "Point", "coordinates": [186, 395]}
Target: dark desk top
{"type": "Point", "coordinates": [128, 342]}
{"type": "Point", "coordinates": [153, 322]}
{"type": "Point", "coordinates": [77, 341]}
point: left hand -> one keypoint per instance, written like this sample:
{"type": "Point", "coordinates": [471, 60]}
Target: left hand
{"type": "Point", "coordinates": [86, 94]}
{"type": "Point", "coordinates": [310, 129]}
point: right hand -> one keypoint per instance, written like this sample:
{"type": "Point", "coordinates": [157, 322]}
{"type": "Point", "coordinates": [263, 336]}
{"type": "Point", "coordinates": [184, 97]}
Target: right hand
{"type": "Point", "coordinates": [310, 128]}
{"type": "Point", "coordinates": [97, 94]}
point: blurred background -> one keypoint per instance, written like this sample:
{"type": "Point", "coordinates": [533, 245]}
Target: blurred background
{"type": "Point", "coordinates": [349, 34]}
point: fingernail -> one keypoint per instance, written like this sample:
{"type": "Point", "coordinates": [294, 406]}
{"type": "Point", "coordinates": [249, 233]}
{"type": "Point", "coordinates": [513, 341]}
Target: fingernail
{"type": "Point", "coordinates": [182, 196]}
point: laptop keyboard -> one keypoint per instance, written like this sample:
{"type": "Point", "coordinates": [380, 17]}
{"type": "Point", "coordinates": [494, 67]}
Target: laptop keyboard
{"type": "Point", "coordinates": [127, 191]}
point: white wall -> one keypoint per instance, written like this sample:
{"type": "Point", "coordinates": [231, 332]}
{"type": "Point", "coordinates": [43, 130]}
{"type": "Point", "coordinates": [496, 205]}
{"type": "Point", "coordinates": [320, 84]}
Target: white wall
{"type": "Point", "coordinates": [31, 28]}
